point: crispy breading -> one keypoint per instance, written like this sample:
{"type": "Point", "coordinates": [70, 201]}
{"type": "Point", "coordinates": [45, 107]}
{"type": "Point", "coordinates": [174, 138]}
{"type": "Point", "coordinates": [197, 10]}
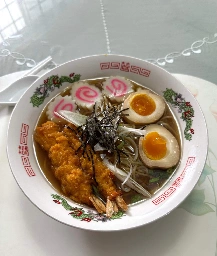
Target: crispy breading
{"type": "Point", "coordinates": [76, 172]}
{"type": "Point", "coordinates": [47, 134]}
{"type": "Point", "coordinates": [75, 183]}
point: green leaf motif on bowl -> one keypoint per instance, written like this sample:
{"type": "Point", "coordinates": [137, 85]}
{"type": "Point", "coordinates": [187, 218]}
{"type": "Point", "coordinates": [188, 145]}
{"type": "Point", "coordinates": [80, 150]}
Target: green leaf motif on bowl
{"type": "Point", "coordinates": [49, 85]}
{"type": "Point", "coordinates": [81, 214]}
{"type": "Point", "coordinates": [184, 108]}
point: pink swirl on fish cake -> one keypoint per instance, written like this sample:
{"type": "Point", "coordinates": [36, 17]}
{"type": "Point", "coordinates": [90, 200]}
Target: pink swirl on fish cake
{"type": "Point", "coordinates": [60, 103]}
{"type": "Point", "coordinates": [117, 87]}
{"type": "Point", "coordinates": [86, 94]}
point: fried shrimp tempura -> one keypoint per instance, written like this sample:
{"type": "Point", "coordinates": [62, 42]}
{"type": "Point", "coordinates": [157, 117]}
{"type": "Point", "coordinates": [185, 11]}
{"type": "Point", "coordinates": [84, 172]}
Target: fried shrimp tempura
{"type": "Point", "coordinates": [66, 165]}
{"type": "Point", "coordinates": [102, 175]}
{"type": "Point", "coordinates": [75, 172]}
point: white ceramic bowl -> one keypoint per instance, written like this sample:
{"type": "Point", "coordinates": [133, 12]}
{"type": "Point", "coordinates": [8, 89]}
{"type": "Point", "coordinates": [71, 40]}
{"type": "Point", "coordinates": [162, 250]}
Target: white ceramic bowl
{"type": "Point", "coordinates": [33, 183]}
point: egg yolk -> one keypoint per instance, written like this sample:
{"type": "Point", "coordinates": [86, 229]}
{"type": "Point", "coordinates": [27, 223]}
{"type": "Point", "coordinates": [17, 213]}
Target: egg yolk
{"type": "Point", "coordinates": [154, 146]}
{"type": "Point", "coordinates": [143, 104]}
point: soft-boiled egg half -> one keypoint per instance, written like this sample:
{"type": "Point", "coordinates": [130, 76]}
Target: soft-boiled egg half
{"type": "Point", "coordinates": [143, 107]}
{"type": "Point", "coordinates": [159, 148]}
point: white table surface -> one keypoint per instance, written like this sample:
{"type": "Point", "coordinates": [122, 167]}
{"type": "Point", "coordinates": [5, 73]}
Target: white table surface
{"type": "Point", "coordinates": [179, 36]}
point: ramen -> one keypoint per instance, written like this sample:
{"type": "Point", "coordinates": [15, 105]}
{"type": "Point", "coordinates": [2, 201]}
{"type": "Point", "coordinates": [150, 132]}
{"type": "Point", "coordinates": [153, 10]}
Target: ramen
{"type": "Point", "coordinates": [119, 144]}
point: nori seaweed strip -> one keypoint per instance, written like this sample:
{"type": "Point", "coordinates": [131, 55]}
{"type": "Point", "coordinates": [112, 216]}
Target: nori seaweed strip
{"type": "Point", "coordinates": [101, 128]}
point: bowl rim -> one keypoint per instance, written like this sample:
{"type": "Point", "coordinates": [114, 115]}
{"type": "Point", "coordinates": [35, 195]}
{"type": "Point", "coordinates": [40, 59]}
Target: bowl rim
{"type": "Point", "coordinates": [98, 56]}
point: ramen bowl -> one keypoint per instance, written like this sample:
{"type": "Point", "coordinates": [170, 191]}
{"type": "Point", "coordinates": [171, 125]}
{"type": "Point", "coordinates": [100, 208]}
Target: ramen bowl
{"type": "Point", "coordinates": [31, 179]}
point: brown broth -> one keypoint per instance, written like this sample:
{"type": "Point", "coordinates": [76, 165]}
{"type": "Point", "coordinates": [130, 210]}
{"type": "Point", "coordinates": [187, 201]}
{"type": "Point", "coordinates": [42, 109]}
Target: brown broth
{"type": "Point", "coordinates": [132, 196]}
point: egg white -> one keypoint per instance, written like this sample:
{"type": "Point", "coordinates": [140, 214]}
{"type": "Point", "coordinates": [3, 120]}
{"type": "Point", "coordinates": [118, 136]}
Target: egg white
{"type": "Point", "coordinates": [173, 151]}
{"type": "Point", "coordinates": [133, 117]}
